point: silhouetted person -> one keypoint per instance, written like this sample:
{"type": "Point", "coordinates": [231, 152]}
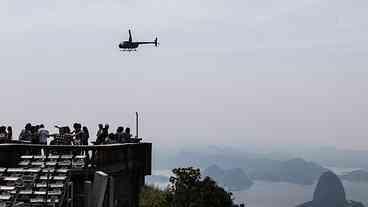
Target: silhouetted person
{"type": "Point", "coordinates": [34, 135]}
{"type": "Point", "coordinates": [10, 133]}
{"type": "Point", "coordinates": [104, 135]}
{"type": "Point", "coordinates": [120, 135]}
{"type": "Point", "coordinates": [106, 129]}
{"type": "Point", "coordinates": [99, 131]}
{"type": "Point", "coordinates": [64, 137]}
{"type": "Point", "coordinates": [35, 139]}
{"type": "Point", "coordinates": [111, 139]}
{"type": "Point", "coordinates": [100, 139]}
{"type": "Point", "coordinates": [85, 136]}
{"type": "Point", "coordinates": [67, 137]}
{"type": "Point", "coordinates": [43, 134]}
{"type": "Point", "coordinates": [26, 134]}
{"type": "Point", "coordinates": [77, 133]}
{"type": "Point", "coordinates": [3, 134]}
{"type": "Point", "coordinates": [127, 134]}
{"type": "Point", "coordinates": [66, 130]}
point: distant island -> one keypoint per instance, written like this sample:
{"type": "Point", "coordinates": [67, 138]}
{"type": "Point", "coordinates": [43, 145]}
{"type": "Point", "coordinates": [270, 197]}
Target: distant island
{"type": "Point", "coordinates": [356, 176]}
{"type": "Point", "coordinates": [233, 179]}
{"type": "Point", "coordinates": [297, 171]}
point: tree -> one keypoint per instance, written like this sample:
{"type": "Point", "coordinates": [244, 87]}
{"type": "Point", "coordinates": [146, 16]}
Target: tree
{"type": "Point", "coordinates": [213, 195]}
{"type": "Point", "coordinates": [153, 197]}
{"type": "Point", "coordinates": [188, 190]}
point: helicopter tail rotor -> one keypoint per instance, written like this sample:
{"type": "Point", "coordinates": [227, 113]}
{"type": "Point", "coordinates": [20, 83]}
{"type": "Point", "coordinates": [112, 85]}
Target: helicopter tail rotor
{"type": "Point", "coordinates": [156, 42]}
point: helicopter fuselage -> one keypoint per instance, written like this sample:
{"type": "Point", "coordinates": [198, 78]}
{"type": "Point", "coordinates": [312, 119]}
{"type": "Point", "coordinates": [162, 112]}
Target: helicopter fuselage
{"type": "Point", "coordinates": [128, 45]}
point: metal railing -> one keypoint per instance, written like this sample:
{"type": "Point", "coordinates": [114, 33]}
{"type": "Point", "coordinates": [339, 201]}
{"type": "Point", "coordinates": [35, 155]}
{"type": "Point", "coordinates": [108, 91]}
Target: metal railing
{"type": "Point", "coordinates": [110, 157]}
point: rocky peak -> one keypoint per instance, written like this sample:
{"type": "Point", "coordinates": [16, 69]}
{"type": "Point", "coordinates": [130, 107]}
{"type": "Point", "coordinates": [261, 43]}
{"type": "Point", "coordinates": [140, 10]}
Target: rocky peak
{"type": "Point", "coordinates": [329, 191]}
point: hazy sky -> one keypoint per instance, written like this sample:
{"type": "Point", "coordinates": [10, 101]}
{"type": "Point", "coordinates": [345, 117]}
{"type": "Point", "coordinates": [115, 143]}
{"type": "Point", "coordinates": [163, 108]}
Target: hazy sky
{"type": "Point", "coordinates": [265, 72]}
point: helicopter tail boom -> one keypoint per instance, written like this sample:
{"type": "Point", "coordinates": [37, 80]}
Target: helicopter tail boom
{"type": "Point", "coordinates": [155, 42]}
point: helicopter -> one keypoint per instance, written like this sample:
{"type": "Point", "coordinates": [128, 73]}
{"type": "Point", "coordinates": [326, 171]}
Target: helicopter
{"type": "Point", "coordinates": [132, 46]}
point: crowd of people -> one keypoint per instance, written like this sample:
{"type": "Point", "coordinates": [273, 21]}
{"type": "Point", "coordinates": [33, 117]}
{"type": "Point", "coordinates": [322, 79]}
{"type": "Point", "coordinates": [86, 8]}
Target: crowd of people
{"type": "Point", "coordinates": [120, 136]}
{"type": "Point", "coordinates": [79, 135]}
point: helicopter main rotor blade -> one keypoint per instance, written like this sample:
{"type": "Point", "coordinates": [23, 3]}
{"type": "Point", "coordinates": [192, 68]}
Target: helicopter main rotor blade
{"type": "Point", "coordinates": [130, 36]}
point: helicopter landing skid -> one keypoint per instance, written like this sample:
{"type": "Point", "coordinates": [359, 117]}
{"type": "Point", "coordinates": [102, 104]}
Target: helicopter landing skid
{"type": "Point", "coordinates": [128, 50]}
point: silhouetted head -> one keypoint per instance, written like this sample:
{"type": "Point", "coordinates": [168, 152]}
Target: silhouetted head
{"type": "Point", "coordinates": [107, 126]}
{"type": "Point", "coordinates": [64, 130]}
{"type": "Point", "coordinates": [100, 126]}
{"type": "Point", "coordinates": [111, 136]}
{"type": "Point", "coordinates": [28, 126]}
{"type": "Point", "coordinates": [85, 129]}
{"type": "Point", "coordinates": [41, 126]}
{"type": "Point", "coordinates": [2, 129]}
{"type": "Point", "coordinates": [34, 129]}
{"type": "Point", "coordinates": [77, 126]}
{"type": "Point", "coordinates": [120, 129]}
{"type": "Point", "coordinates": [67, 129]}
{"type": "Point", "coordinates": [9, 129]}
{"type": "Point", "coordinates": [127, 130]}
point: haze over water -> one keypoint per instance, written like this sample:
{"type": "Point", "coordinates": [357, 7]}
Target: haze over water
{"type": "Point", "coordinates": [281, 194]}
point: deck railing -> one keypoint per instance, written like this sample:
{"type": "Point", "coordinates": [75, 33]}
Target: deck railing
{"type": "Point", "coordinates": [111, 158]}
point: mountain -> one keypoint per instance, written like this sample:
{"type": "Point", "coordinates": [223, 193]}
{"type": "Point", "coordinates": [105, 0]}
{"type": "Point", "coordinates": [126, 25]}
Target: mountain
{"type": "Point", "coordinates": [296, 171]}
{"type": "Point", "coordinates": [234, 179]}
{"type": "Point", "coordinates": [333, 157]}
{"type": "Point", "coordinates": [356, 176]}
{"type": "Point", "coordinates": [330, 192]}
{"type": "Point", "coordinates": [214, 171]}
{"type": "Point", "coordinates": [258, 166]}
{"type": "Point", "coordinates": [248, 159]}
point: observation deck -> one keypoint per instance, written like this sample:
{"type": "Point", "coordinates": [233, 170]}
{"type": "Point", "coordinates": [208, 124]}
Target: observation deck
{"type": "Point", "coordinates": [95, 175]}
